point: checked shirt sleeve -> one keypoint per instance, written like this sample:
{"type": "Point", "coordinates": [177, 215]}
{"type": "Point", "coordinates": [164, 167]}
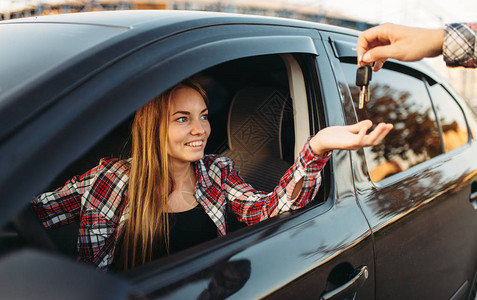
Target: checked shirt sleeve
{"type": "Point", "coordinates": [63, 205]}
{"type": "Point", "coordinates": [460, 45]}
{"type": "Point", "coordinates": [252, 206]}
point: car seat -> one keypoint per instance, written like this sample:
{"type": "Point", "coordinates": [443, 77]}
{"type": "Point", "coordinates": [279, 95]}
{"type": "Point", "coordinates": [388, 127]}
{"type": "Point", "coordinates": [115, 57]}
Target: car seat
{"type": "Point", "coordinates": [261, 135]}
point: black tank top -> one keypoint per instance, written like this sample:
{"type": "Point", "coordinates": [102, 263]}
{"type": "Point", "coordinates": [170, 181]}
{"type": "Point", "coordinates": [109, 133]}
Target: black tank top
{"type": "Point", "coordinates": [186, 229]}
{"type": "Point", "coordinates": [190, 228]}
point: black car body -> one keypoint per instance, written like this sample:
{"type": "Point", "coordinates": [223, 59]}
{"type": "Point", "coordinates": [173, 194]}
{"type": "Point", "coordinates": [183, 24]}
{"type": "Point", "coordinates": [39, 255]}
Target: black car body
{"type": "Point", "coordinates": [397, 221]}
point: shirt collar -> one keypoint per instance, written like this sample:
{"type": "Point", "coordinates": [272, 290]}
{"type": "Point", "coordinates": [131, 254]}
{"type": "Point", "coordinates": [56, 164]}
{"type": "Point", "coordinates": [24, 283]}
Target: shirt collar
{"type": "Point", "coordinates": [201, 173]}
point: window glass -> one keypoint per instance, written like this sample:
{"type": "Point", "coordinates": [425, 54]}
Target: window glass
{"type": "Point", "coordinates": [451, 118]}
{"type": "Point", "coordinates": [402, 100]}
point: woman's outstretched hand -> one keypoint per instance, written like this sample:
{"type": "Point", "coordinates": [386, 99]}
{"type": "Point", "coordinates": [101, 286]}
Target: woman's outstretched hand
{"type": "Point", "coordinates": [351, 137]}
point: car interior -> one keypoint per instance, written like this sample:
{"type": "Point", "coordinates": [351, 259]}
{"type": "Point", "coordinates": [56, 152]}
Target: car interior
{"type": "Point", "coordinates": [259, 117]}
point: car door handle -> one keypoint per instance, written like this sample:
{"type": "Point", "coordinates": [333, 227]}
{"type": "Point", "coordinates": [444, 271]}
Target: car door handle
{"type": "Point", "coordinates": [473, 194]}
{"type": "Point", "coordinates": [349, 288]}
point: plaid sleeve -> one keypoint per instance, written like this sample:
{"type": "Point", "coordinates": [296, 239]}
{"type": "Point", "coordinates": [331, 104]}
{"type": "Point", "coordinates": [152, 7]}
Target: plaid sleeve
{"type": "Point", "coordinates": [63, 205]}
{"type": "Point", "coordinates": [460, 45]}
{"type": "Point", "coordinates": [252, 206]}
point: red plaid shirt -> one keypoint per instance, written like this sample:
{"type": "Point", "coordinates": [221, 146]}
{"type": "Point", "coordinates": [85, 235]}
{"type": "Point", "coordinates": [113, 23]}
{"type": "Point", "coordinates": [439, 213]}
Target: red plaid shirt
{"type": "Point", "coordinates": [98, 198]}
{"type": "Point", "coordinates": [460, 45]}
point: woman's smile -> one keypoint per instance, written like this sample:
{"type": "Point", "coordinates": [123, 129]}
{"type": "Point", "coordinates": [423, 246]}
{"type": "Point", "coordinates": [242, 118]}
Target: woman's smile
{"type": "Point", "coordinates": [198, 143]}
{"type": "Point", "coordinates": [189, 126]}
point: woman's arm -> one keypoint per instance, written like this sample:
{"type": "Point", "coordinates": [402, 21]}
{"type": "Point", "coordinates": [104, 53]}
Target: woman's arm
{"type": "Point", "coordinates": [301, 182]}
{"type": "Point", "coordinates": [252, 206]}
{"type": "Point", "coordinates": [63, 205]}
{"type": "Point", "coordinates": [351, 137]}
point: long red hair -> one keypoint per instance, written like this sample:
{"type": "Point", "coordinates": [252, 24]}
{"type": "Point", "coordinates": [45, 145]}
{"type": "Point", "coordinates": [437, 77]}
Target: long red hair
{"type": "Point", "coordinates": [150, 183]}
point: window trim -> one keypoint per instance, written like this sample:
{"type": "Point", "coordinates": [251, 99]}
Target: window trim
{"type": "Point", "coordinates": [296, 82]}
{"type": "Point", "coordinates": [469, 132]}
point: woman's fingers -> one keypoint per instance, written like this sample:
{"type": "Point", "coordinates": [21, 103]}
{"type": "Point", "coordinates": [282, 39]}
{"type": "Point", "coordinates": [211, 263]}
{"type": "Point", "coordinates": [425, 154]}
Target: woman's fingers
{"type": "Point", "coordinates": [362, 139]}
{"type": "Point", "coordinates": [356, 128]}
{"type": "Point", "coordinates": [377, 135]}
{"type": "Point", "coordinates": [362, 133]}
{"type": "Point", "coordinates": [350, 137]}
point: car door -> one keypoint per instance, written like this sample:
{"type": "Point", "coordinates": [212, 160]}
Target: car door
{"type": "Point", "coordinates": [322, 250]}
{"type": "Point", "coordinates": [416, 188]}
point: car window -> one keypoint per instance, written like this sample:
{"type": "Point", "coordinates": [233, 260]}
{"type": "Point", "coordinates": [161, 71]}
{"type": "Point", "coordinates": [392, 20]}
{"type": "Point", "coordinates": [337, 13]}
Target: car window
{"type": "Point", "coordinates": [402, 100]}
{"type": "Point", "coordinates": [451, 118]}
{"type": "Point", "coordinates": [252, 115]}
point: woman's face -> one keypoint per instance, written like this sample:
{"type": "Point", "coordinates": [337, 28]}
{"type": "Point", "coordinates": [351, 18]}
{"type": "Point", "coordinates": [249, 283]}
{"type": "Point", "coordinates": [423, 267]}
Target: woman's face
{"type": "Point", "coordinates": [189, 126]}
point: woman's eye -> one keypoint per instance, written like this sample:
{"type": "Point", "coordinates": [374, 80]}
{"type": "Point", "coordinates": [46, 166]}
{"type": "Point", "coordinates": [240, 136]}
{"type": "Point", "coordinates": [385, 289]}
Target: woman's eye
{"type": "Point", "coordinates": [204, 117]}
{"type": "Point", "coordinates": [181, 119]}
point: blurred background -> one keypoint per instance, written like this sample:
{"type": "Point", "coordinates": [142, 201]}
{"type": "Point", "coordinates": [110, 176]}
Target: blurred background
{"type": "Point", "coordinates": [358, 15]}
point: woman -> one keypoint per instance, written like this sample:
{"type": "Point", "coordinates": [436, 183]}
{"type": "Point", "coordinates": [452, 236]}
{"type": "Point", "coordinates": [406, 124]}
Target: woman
{"type": "Point", "coordinates": [169, 196]}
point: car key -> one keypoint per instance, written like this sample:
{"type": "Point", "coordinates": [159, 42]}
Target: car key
{"type": "Point", "coordinates": [363, 77]}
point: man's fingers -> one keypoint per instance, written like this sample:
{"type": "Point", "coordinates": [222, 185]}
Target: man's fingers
{"type": "Point", "coordinates": [378, 65]}
{"type": "Point", "coordinates": [367, 40]}
{"type": "Point", "coordinates": [378, 54]}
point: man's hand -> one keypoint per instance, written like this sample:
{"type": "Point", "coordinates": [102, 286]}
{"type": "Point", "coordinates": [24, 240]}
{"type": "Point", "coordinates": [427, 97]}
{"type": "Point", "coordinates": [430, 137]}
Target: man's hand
{"type": "Point", "coordinates": [404, 43]}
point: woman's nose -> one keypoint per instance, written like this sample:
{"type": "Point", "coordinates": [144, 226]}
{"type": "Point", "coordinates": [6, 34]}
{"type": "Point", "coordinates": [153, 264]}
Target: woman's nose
{"type": "Point", "coordinates": [197, 127]}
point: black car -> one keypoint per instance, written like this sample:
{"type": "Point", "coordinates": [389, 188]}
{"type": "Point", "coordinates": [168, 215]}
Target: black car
{"type": "Point", "coordinates": [394, 221]}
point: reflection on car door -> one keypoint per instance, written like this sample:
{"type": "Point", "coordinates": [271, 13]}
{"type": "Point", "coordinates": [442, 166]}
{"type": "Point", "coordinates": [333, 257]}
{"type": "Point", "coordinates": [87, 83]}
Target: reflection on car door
{"type": "Point", "coordinates": [425, 228]}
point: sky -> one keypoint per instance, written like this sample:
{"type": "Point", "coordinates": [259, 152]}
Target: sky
{"type": "Point", "coordinates": [423, 13]}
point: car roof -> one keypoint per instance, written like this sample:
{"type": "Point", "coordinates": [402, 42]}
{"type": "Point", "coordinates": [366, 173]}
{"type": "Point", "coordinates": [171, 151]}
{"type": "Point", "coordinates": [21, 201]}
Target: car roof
{"type": "Point", "coordinates": [157, 18]}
